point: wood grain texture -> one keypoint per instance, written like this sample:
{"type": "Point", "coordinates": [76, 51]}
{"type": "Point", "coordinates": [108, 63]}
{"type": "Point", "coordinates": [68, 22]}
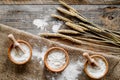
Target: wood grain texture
{"type": "Point", "coordinates": [22, 16]}
{"type": "Point", "coordinates": [56, 1]}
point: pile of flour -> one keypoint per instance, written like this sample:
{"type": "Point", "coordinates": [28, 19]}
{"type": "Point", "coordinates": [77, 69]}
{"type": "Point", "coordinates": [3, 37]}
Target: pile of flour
{"type": "Point", "coordinates": [95, 71]}
{"type": "Point", "coordinates": [56, 59]}
{"type": "Point", "coordinates": [18, 56]}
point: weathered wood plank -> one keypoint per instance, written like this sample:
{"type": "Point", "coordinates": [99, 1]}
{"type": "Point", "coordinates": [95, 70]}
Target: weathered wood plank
{"type": "Point", "coordinates": [22, 16]}
{"type": "Point", "coordinates": [56, 1]}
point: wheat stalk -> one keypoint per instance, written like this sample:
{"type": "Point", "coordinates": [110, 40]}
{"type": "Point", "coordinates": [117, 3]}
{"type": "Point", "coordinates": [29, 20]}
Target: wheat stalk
{"type": "Point", "coordinates": [74, 27]}
{"type": "Point", "coordinates": [64, 31]}
{"type": "Point", "coordinates": [67, 6]}
{"type": "Point", "coordinates": [61, 18]}
{"type": "Point", "coordinates": [60, 36]}
{"type": "Point", "coordinates": [84, 26]}
{"type": "Point", "coordinates": [71, 9]}
{"type": "Point", "coordinates": [73, 14]}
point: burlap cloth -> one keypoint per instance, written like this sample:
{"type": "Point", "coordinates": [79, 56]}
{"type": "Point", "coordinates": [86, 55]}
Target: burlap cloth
{"type": "Point", "coordinates": [34, 70]}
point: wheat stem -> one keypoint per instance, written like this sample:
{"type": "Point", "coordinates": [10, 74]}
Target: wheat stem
{"type": "Point", "coordinates": [74, 27]}
{"type": "Point", "coordinates": [67, 6]}
{"type": "Point", "coordinates": [60, 36]}
{"type": "Point", "coordinates": [61, 18]}
{"type": "Point", "coordinates": [71, 9]}
{"type": "Point", "coordinates": [64, 31]}
{"type": "Point", "coordinates": [97, 41]}
{"type": "Point", "coordinates": [71, 14]}
{"type": "Point", "coordinates": [90, 27]}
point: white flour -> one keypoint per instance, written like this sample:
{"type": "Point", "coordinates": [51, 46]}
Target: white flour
{"type": "Point", "coordinates": [56, 59]}
{"type": "Point", "coordinates": [40, 23]}
{"type": "Point", "coordinates": [56, 27]}
{"type": "Point", "coordinates": [39, 55]}
{"type": "Point", "coordinates": [18, 55]}
{"type": "Point", "coordinates": [72, 72]}
{"type": "Point", "coordinates": [45, 22]}
{"type": "Point", "coordinates": [96, 71]}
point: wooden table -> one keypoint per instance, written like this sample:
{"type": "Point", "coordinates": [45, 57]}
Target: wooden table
{"type": "Point", "coordinates": [22, 16]}
{"type": "Point", "coordinates": [56, 1]}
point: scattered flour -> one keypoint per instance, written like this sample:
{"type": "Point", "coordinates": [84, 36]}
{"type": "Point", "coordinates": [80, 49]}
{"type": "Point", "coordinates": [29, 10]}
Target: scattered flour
{"type": "Point", "coordinates": [18, 55]}
{"type": "Point", "coordinates": [40, 23]}
{"type": "Point", "coordinates": [96, 71]}
{"type": "Point", "coordinates": [39, 54]}
{"type": "Point", "coordinates": [56, 59]}
{"type": "Point", "coordinates": [72, 72]}
{"type": "Point", "coordinates": [45, 22]}
{"type": "Point", "coordinates": [56, 27]}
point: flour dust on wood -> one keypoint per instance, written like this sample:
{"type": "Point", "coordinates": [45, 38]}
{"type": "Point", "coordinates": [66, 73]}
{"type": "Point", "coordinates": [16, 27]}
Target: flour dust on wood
{"type": "Point", "coordinates": [47, 24]}
{"type": "Point", "coordinates": [40, 23]}
{"type": "Point", "coordinates": [56, 27]}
